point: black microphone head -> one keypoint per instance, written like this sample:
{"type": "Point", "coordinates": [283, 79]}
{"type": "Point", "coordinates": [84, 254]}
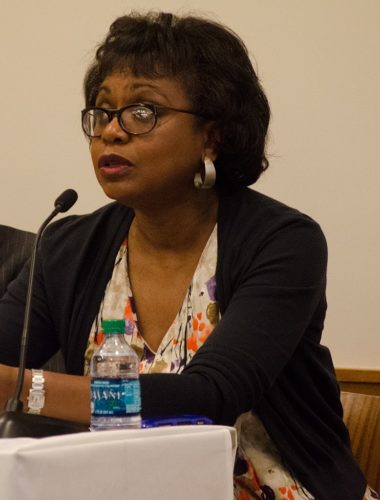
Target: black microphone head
{"type": "Point", "coordinates": [66, 200]}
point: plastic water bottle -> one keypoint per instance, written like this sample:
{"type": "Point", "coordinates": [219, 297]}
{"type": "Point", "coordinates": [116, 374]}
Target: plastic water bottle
{"type": "Point", "coordinates": [115, 385]}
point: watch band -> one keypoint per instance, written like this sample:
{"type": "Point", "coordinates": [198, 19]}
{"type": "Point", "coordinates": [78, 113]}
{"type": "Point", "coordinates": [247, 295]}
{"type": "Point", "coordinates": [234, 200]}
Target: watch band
{"type": "Point", "coordinates": [36, 399]}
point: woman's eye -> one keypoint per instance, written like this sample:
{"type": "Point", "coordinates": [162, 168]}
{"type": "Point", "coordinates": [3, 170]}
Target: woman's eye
{"type": "Point", "coordinates": [102, 119]}
{"type": "Point", "coordinates": [142, 114]}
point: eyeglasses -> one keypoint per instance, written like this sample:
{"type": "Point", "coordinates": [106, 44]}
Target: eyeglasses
{"type": "Point", "coordinates": [135, 119]}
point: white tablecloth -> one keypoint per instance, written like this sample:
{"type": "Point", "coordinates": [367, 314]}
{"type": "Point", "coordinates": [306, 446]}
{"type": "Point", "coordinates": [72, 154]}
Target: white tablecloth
{"type": "Point", "coordinates": [165, 463]}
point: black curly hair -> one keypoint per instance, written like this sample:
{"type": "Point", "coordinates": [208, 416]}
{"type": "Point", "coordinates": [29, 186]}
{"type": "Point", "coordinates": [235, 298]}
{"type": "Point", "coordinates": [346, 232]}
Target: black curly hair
{"type": "Point", "coordinates": [212, 64]}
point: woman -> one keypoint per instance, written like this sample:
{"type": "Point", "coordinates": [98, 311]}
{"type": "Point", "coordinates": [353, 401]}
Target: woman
{"type": "Point", "coordinates": [218, 284]}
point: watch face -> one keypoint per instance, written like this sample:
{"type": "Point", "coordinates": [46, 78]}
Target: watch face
{"type": "Point", "coordinates": [36, 399]}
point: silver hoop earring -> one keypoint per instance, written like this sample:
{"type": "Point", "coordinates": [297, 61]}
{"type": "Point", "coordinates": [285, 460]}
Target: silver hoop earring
{"type": "Point", "coordinates": [209, 177]}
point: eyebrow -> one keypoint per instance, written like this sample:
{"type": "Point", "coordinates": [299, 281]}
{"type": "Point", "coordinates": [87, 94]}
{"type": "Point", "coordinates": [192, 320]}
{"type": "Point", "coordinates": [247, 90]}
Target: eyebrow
{"type": "Point", "coordinates": [135, 86]}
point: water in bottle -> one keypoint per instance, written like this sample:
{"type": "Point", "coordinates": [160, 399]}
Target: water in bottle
{"type": "Point", "coordinates": [115, 386]}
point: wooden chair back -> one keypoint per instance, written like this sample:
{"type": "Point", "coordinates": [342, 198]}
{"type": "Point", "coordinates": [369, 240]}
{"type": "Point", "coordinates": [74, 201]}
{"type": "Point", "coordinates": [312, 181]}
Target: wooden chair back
{"type": "Point", "coordinates": [361, 413]}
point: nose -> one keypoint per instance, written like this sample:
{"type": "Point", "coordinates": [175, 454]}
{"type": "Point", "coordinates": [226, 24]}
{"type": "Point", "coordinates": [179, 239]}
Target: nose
{"type": "Point", "coordinates": [113, 132]}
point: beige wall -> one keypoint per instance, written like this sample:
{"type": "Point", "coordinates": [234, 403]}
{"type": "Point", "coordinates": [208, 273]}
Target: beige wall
{"type": "Point", "coordinates": [319, 62]}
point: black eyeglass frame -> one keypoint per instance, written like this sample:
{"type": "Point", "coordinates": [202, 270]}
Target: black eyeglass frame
{"type": "Point", "coordinates": [111, 113]}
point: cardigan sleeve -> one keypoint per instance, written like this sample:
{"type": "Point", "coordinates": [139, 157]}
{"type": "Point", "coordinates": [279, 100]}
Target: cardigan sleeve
{"type": "Point", "coordinates": [277, 302]}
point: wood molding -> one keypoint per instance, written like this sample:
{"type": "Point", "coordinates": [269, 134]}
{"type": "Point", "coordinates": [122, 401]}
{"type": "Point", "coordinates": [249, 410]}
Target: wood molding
{"type": "Point", "coordinates": [358, 375]}
{"type": "Point", "coordinates": [359, 380]}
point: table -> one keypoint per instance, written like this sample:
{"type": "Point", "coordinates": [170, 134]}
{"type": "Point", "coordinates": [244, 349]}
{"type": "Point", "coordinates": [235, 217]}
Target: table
{"type": "Point", "coordinates": [164, 463]}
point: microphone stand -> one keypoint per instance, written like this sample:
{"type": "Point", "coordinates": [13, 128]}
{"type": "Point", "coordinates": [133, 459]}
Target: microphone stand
{"type": "Point", "coordinates": [13, 422]}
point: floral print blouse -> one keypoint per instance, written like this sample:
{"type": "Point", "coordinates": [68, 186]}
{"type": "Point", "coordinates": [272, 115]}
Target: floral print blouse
{"type": "Point", "coordinates": [259, 473]}
{"type": "Point", "coordinates": [194, 322]}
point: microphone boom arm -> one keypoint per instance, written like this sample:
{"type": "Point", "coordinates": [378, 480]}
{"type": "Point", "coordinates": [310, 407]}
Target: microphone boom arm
{"type": "Point", "coordinates": [63, 203]}
{"type": "Point", "coordinates": [15, 404]}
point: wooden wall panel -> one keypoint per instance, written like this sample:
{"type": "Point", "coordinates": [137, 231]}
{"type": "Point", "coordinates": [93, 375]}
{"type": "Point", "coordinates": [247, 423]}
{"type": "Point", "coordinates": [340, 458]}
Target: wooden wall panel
{"type": "Point", "coordinates": [357, 380]}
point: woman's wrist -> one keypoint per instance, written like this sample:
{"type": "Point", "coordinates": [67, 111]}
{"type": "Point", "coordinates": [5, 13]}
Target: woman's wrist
{"type": "Point", "coordinates": [73, 389]}
{"type": "Point", "coordinates": [8, 380]}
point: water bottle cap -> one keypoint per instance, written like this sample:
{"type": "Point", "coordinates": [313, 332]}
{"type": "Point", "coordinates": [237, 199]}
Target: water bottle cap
{"type": "Point", "coordinates": [113, 326]}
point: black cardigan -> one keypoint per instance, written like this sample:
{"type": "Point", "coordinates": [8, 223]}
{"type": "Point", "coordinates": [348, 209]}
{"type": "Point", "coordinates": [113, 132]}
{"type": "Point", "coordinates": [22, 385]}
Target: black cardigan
{"type": "Point", "coordinates": [264, 354]}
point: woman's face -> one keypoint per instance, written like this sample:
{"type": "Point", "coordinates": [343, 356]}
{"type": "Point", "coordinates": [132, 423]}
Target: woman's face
{"type": "Point", "coordinates": [155, 167]}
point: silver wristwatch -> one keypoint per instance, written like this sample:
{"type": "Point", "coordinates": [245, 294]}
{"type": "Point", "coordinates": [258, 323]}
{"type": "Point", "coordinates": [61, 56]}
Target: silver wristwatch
{"type": "Point", "coordinates": [36, 399]}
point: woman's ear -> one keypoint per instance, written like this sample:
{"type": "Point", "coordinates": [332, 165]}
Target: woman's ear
{"type": "Point", "coordinates": [212, 141]}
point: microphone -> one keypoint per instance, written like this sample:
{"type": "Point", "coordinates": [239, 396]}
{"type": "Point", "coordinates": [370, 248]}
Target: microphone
{"type": "Point", "coordinates": [13, 422]}
{"type": "Point", "coordinates": [65, 200]}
